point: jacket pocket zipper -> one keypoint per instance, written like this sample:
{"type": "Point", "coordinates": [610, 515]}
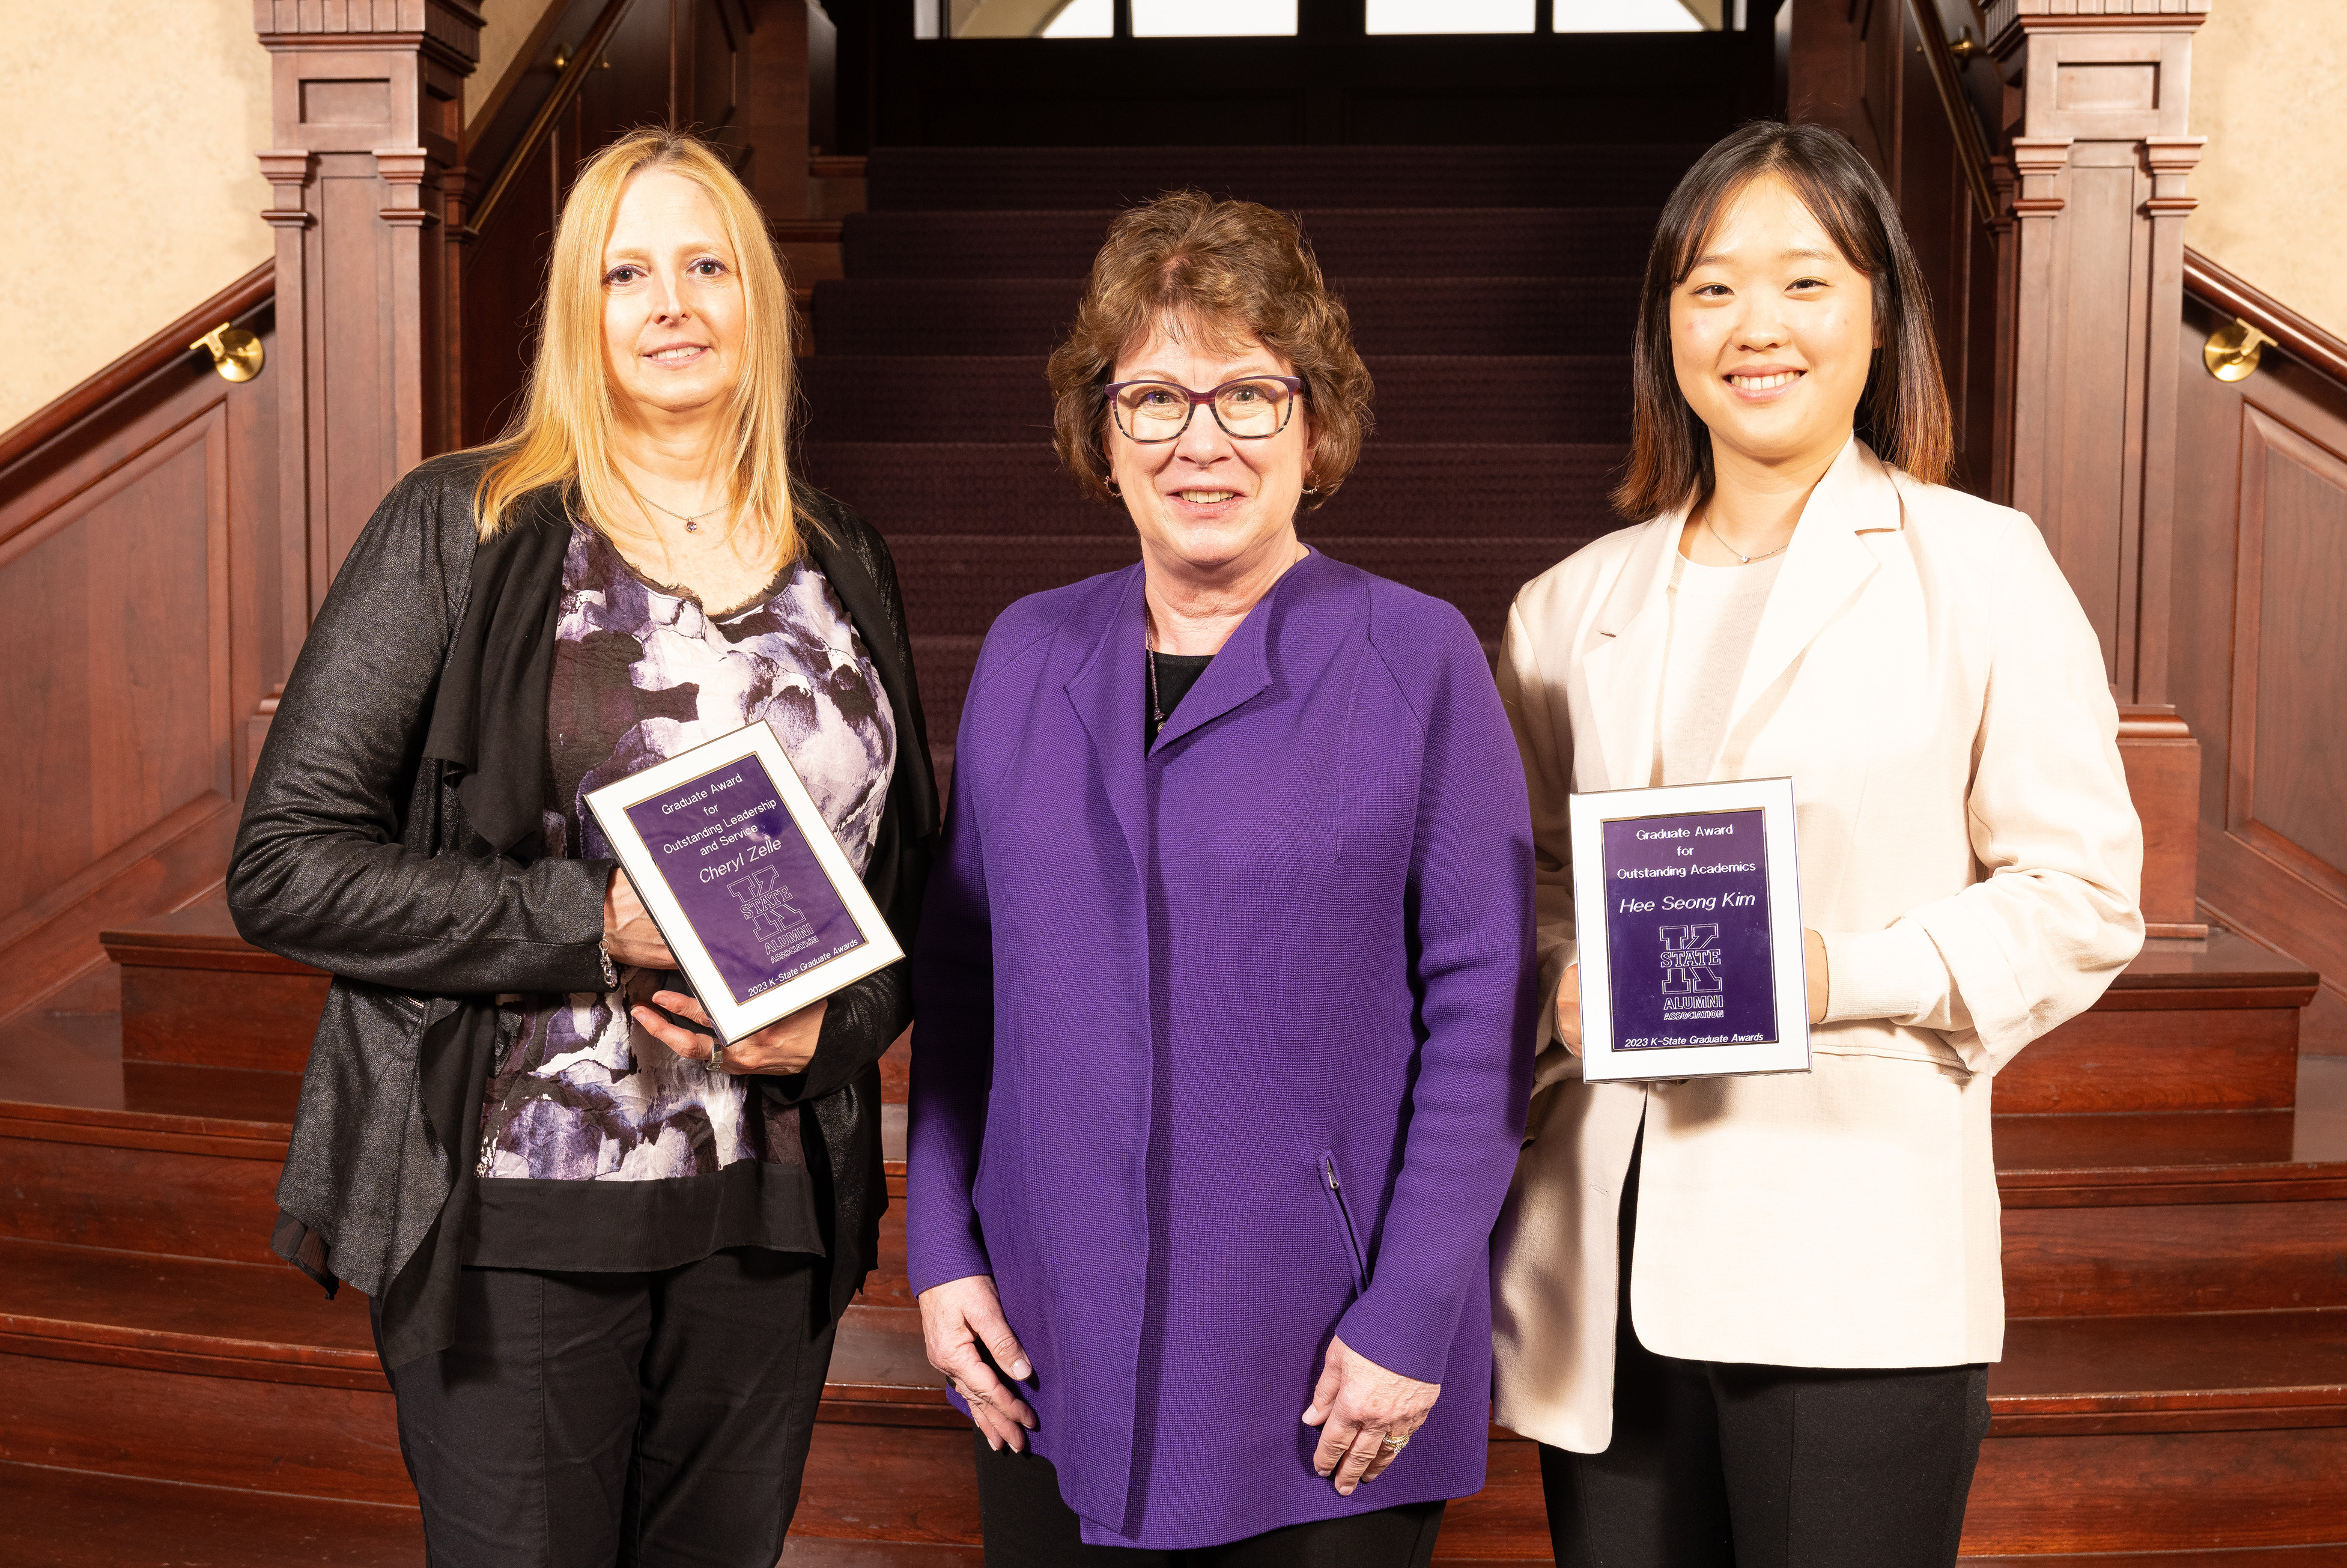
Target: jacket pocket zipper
{"type": "Point", "coordinates": [1335, 1190]}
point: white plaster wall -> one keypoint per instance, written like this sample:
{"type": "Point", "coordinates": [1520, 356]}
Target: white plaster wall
{"type": "Point", "coordinates": [127, 134]}
{"type": "Point", "coordinates": [2270, 92]}
{"type": "Point", "coordinates": [505, 27]}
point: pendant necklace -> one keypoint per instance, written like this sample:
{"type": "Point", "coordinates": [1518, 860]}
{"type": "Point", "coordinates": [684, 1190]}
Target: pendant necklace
{"type": "Point", "coordinates": [691, 524]}
{"type": "Point", "coordinates": [1741, 559]}
{"type": "Point", "coordinates": [1156, 709]}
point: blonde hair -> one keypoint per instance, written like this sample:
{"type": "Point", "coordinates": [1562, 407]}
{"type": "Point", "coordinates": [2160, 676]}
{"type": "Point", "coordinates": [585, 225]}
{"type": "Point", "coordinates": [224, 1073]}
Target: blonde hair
{"type": "Point", "coordinates": [562, 436]}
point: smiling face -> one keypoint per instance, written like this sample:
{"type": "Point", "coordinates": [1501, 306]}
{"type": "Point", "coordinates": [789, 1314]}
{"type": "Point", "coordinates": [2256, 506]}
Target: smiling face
{"type": "Point", "coordinates": [673, 312]}
{"type": "Point", "coordinates": [1208, 504]}
{"type": "Point", "coordinates": [1772, 333]}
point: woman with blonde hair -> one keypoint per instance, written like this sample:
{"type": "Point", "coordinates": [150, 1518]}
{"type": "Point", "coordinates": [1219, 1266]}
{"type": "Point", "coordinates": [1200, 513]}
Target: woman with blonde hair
{"type": "Point", "coordinates": [605, 1254]}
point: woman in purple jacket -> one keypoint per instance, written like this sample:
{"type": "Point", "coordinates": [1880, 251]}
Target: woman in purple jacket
{"type": "Point", "coordinates": [1223, 981]}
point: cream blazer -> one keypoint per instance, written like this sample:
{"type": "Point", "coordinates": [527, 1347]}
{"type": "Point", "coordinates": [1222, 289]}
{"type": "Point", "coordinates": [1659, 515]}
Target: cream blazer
{"type": "Point", "coordinates": [1968, 852]}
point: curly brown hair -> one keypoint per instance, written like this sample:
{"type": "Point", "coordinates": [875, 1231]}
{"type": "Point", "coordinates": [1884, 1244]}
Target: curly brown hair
{"type": "Point", "coordinates": [1226, 269]}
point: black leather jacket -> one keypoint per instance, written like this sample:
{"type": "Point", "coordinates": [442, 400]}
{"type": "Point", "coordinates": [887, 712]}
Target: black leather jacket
{"type": "Point", "coordinates": [391, 836]}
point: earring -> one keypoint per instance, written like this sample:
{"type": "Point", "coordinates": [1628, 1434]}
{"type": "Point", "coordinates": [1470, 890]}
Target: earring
{"type": "Point", "coordinates": [1114, 494]}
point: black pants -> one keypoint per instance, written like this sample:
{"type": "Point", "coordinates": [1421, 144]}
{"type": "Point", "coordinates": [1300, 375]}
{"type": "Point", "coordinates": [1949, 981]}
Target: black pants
{"type": "Point", "coordinates": [1719, 1465]}
{"type": "Point", "coordinates": [1028, 1526]}
{"type": "Point", "coordinates": [586, 1421]}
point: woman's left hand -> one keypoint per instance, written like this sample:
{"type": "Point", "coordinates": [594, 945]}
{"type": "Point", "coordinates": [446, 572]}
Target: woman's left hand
{"type": "Point", "coordinates": [1358, 1406]}
{"type": "Point", "coordinates": [784, 1047]}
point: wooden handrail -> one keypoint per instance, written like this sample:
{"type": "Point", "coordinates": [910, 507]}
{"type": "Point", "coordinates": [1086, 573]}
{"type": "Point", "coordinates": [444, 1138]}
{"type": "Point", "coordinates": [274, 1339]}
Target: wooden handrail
{"type": "Point", "coordinates": [1947, 75]}
{"type": "Point", "coordinates": [2297, 336]}
{"type": "Point", "coordinates": [159, 353]}
{"type": "Point", "coordinates": [541, 124]}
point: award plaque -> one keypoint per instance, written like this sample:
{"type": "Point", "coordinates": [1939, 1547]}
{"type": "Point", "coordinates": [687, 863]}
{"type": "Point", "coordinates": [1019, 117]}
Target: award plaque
{"type": "Point", "coordinates": [1689, 903]}
{"type": "Point", "coordinates": [742, 876]}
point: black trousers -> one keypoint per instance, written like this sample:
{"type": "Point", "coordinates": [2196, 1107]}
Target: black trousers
{"type": "Point", "coordinates": [1028, 1526]}
{"type": "Point", "coordinates": [1720, 1465]}
{"type": "Point", "coordinates": [589, 1420]}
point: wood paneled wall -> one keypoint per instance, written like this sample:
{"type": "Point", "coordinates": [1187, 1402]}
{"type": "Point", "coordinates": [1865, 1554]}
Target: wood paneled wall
{"type": "Point", "coordinates": [2259, 665]}
{"type": "Point", "coordinates": [140, 554]}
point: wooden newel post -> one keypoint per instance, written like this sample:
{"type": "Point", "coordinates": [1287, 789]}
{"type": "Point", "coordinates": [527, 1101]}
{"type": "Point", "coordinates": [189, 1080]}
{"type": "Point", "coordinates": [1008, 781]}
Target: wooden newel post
{"type": "Point", "coordinates": [2097, 95]}
{"type": "Point", "coordinates": [367, 108]}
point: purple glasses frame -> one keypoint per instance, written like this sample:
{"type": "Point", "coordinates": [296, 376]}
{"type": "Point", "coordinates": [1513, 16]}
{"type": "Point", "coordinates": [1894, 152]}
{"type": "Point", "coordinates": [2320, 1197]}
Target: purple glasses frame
{"type": "Point", "coordinates": [1295, 385]}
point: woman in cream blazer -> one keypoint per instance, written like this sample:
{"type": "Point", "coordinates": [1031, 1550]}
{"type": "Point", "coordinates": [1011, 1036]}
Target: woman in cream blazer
{"type": "Point", "coordinates": [1969, 862]}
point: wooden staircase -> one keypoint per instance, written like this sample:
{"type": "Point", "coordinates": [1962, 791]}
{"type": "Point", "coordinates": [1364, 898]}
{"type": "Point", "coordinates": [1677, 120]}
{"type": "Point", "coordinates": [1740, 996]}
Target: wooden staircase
{"type": "Point", "coordinates": [2174, 1391]}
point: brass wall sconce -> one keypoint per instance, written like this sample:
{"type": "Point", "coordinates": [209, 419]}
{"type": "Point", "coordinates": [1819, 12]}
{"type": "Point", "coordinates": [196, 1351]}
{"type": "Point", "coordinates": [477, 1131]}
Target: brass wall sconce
{"type": "Point", "coordinates": [236, 353]}
{"type": "Point", "coordinates": [2231, 352]}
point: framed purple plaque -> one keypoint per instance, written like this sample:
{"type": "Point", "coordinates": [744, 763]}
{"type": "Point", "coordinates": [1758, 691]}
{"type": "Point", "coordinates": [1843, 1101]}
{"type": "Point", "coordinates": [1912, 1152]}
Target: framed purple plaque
{"type": "Point", "coordinates": [1689, 909]}
{"type": "Point", "coordinates": [756, 899]}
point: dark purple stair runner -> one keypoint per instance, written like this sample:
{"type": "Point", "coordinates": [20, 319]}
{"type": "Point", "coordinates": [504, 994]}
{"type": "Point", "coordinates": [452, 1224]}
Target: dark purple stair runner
{"type": "Point", "coordinates": [1493, 290]}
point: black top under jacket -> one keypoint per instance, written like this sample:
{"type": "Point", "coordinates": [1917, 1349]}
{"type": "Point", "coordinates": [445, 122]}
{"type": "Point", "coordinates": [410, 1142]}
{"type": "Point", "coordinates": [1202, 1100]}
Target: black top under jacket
{"type": "Point", "coordinates": [391, 836]}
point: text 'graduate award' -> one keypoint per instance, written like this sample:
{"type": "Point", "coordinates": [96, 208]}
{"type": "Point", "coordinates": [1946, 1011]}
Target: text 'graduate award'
{"type": "Point", "coordinates": [1688, 898]}
{"type": "Point", "coordinates": [741, 873]}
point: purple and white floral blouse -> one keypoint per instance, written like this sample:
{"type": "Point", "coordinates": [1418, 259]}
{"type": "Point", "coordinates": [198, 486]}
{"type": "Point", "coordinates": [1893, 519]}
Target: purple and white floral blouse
{"type": "Point", "coordinates": [580, 1092]}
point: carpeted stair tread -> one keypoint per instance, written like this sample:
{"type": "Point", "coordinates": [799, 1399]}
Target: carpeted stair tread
{"type": "Point", "coordinates": [1474, 315]}
{"type": "Point", "coordinates": [932, 178]}
{"type": "Point", "coordinates": [910, 489]}
{"type": "Point", "coordinates": [80, 1519]}
{"type": "Point", "coordinates": [1485, 399]}
{"type": "Point", "coordinates": [957, 586]}
{"type": "Point", "coordinates": [1410, 242]}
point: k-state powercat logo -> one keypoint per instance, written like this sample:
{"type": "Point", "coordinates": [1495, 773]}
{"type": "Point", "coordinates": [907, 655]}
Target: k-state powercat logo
{"type": "Point", "coordinates": [765, 903]}
{"type": "Point", "coordinates": [1691, 960]}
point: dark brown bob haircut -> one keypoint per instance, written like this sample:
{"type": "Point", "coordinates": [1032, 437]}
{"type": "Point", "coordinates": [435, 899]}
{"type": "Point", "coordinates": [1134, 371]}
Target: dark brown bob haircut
{"type": "Point", "coordinates": [1904, 413]}
{"type": "Point", "coordinates": [1223, 270]}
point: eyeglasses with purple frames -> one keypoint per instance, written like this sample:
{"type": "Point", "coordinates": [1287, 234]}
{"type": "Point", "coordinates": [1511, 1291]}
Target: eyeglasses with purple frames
{"type": "Point", "coordinates": [1248, 409]}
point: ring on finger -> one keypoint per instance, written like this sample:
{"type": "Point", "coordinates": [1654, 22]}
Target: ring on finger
{"type": "Point", "coordinates": [1394, 1442]}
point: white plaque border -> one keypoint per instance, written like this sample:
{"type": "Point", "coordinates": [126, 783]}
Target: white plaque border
{"type": "Point", "coordinates": [1587, 816]}
{"type": "Point", "coordinates": [734, 1020]}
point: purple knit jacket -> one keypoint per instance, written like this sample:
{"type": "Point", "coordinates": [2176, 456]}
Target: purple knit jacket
{"type": "Point", "coordinates": [1224, 1044]}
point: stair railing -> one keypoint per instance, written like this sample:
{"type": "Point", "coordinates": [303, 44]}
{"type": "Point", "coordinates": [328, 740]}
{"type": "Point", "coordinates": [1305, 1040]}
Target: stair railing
{"type": "Point", "coordinates": [541, 124]}
{"type": "Point", "coordinates": [2253, 307]}
{"type": "Point", "coordinates": [1971, 142]}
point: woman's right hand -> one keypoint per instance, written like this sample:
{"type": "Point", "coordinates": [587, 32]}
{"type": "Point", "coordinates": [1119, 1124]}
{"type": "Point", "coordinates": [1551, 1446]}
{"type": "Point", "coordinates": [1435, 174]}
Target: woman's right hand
{"type": "Point", "coordinates": [629, 933]}
{"type": "Point", "coordinates": [1568, 1009]}
{"type": "Point", "coordinates": [956, 1318]}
